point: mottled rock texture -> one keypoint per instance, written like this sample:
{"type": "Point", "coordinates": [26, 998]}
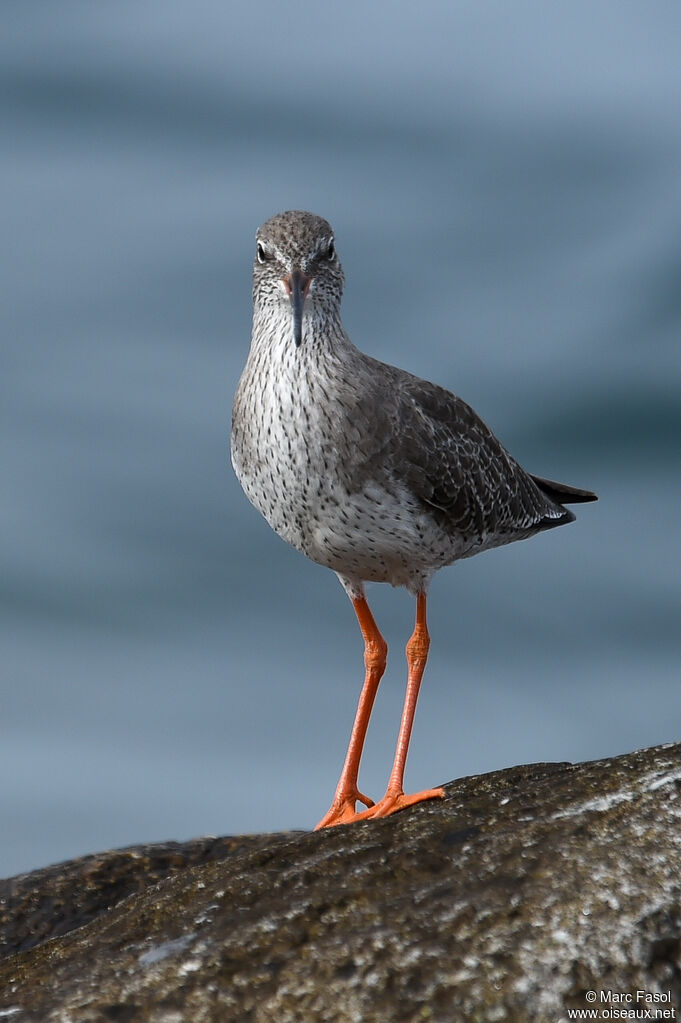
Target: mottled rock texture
{"type": "Point", "coordinates": [509, 900]}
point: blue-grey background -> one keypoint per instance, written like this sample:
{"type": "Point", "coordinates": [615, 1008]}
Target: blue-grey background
{"type": "Point", "coordinates": [505, 186]}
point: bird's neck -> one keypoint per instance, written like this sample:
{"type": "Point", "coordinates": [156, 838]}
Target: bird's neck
{"type": "Point", "coordinates": [322, 335]}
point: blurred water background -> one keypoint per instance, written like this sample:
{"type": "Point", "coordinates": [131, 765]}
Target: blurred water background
{"type": "Point", "coordinates": [505, 186]}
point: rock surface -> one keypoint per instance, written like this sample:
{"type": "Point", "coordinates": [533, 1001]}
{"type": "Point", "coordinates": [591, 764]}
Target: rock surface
{"type": "Point", "coordinates": [511, 899]}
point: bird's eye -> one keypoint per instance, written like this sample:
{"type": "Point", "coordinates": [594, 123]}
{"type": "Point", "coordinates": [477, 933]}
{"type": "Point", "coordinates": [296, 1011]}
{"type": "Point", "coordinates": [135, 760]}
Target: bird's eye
{"type": "Point", "coordinates": [331, 250]}
{"type": "Point", "coordinates": [261, 253]}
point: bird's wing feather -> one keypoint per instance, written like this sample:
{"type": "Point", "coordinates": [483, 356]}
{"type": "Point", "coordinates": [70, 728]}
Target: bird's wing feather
{"type": "Point", "coordinates": [451, 460]}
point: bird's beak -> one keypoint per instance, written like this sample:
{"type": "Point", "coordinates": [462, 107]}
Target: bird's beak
{"type": "Point", "coordinates": [297, 285]}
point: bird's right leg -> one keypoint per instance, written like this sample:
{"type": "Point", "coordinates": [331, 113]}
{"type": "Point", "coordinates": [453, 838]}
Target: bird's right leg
{"type": "Point", "coordinates": [342, 809]}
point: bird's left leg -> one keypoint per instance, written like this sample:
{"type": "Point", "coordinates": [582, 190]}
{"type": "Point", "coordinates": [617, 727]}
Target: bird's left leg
{"type": "Point", "coordinates": [417, 655]}
{"type": "Point", "coordinates": [342, 809]}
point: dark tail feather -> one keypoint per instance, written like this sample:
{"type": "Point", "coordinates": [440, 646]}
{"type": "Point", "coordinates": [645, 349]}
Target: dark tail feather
{"type": "Point", "coordinates": [562, 494]}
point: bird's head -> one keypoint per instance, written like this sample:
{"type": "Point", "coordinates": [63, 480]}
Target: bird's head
{"type": "Point", "coordinates": [296, 268]}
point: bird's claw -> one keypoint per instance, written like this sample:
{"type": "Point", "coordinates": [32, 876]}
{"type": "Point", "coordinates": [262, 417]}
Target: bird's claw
{"type": "Point", "coordinates": [342, 810]}
{"type": "Point", "coordinates": [392, 802]}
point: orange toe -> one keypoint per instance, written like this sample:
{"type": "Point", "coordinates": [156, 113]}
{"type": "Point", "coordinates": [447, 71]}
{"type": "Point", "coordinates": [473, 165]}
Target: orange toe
{"type": "Point", "coordinates": [393, 802]}
{"type": "Point", "coordinates": [342, 810]}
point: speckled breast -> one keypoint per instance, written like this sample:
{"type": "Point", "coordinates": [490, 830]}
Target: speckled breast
{"type": "Point", "coordinates": [301, 462]}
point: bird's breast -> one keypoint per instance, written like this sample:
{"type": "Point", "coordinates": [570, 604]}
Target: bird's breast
{"type": "Point", "coordinates": [281, 447]}
{"type": "Point", "coordinates": [306, 459]}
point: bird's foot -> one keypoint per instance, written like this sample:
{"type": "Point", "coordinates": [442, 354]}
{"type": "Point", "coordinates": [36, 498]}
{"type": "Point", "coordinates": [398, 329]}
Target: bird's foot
{"type": "Point", "coordinates": [342, 810]}
{"type": "Point", "coordinates": [392, 802]}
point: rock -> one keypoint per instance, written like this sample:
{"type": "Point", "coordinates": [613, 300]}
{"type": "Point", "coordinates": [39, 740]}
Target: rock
{"type": "Point", "coordinates": [56, 900]}
{"type": "Point", "coordinates": [511, 899]}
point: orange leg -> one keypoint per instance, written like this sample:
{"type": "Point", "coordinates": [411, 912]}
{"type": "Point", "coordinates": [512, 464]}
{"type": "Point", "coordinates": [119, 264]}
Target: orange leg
{"type": "Point", "coordinates": [417, 654]}
{"type": "Point", "coordinates": [342, 810]}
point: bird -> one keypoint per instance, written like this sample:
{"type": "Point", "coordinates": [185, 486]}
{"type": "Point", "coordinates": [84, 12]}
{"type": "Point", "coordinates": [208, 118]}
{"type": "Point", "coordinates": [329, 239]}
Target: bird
{"type": "Point", "coordinates": [367, 469]}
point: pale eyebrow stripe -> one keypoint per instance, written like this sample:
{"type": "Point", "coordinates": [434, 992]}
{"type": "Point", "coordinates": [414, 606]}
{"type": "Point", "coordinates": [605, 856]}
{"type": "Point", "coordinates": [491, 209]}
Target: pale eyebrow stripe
{"type": "Point", "coordinates": [270, 247]}
{"type": "Point", "coordinates": [323, 244]}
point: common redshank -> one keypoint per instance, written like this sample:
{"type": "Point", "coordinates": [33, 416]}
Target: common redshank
{"type": "Point", "coordinates": [373, 472]}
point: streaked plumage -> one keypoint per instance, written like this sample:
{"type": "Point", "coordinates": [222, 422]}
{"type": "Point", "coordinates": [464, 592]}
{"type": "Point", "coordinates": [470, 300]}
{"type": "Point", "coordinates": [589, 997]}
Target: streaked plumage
{"type": "Point", "coordinates": [365, 468]}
